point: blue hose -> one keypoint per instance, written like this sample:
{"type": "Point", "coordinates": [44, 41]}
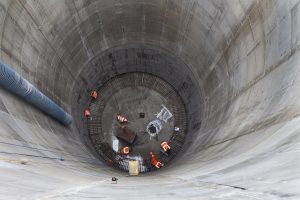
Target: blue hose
{"type": "Point", "coordinates": [14, 83]}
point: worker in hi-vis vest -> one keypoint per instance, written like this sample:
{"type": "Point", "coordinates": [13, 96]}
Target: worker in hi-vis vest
{"type": "Point", "coordinates": [155, 162]}
{"type": "Point", "coordinates": [165, 147]}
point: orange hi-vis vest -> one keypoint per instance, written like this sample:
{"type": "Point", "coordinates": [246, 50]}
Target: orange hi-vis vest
{"type": "Point", "coordinates": [164, 145]}
{"type": "Point", "coordinates": [124, 150]}
{"type": "Point", "coordinates": [93, 94]}
{"type": "Point", "coordinates": [121, 119]}
{"type": "Point", "coordinates": [155, 162]}
{"type": "Point", "coordinates": [86, 113]}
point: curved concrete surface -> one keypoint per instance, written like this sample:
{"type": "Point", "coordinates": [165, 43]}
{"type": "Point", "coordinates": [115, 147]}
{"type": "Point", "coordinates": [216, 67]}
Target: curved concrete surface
{"type": "Point", "coordinates": [235, 64]}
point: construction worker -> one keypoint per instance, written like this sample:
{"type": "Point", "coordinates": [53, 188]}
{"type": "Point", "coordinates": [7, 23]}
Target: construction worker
{"type": "Point", "coordinates": [124, 150]}
{"type": "Point", "coordinates": [86, 113]}
{"type": "Point", "coordinates": [165, 147]}
{"type": "Point", "coordinates": [122, 119]}
{"type": "Point", "coordinates": [155, 162]}
{"type": "Point", "coordinates": [93, 94]}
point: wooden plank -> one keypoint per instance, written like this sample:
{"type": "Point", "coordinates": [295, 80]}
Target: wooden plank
{"type": "Point", "coordinates": [133, 167]}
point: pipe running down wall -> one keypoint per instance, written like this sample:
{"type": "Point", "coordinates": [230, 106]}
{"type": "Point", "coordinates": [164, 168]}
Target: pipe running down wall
{"type": "Point", "coordinates": [235, 64]}
{"type": "Point", "coordinates": [14, 83]}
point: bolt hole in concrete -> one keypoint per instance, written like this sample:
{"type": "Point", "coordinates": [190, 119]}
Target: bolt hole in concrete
{"type": "Point", "coordinates": [142, 115]}
{"type": "Point", "coordinates": [160, 110]}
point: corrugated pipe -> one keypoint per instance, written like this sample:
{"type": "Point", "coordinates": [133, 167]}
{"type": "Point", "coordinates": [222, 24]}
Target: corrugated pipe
{"type": "Point", "coordinates": [13, 82]}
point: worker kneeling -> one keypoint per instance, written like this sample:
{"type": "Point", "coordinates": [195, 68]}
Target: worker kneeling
{"type": "Point", "coordinates": [165, 147]}
{"type": "Point", "coordinates": [155, 162]}
{"type": "Point", "coordinates": [124, 150]}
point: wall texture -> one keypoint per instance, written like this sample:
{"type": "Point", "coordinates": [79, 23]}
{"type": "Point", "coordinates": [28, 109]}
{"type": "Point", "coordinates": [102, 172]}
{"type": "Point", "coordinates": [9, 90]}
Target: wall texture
{"type": "Point", "coordinates": [234, 62]}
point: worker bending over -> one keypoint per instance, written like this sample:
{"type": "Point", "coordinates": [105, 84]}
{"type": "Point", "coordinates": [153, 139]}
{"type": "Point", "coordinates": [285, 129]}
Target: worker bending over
{"type": "Point", "coordinates": [93, 94]}
{"type": "Point", "coordinates": [165, 147]}
{"type": "Point", "coordinates": [124, 150]}
{"type": "Point", "coordinates": [155, 162]}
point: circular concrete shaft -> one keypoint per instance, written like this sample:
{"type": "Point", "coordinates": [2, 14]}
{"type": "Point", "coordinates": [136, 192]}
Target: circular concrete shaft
{"type": "Point", "coordinates": [234, 64]}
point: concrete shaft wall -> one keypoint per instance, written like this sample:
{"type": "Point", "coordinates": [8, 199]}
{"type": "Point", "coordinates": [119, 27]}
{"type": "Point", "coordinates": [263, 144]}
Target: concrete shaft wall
{"type": "Point", "coordinates": [234, 62]}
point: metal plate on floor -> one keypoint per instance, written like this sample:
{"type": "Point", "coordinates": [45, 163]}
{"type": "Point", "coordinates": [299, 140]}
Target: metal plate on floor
{"type": "Point", "coordinates": [126, 134]}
